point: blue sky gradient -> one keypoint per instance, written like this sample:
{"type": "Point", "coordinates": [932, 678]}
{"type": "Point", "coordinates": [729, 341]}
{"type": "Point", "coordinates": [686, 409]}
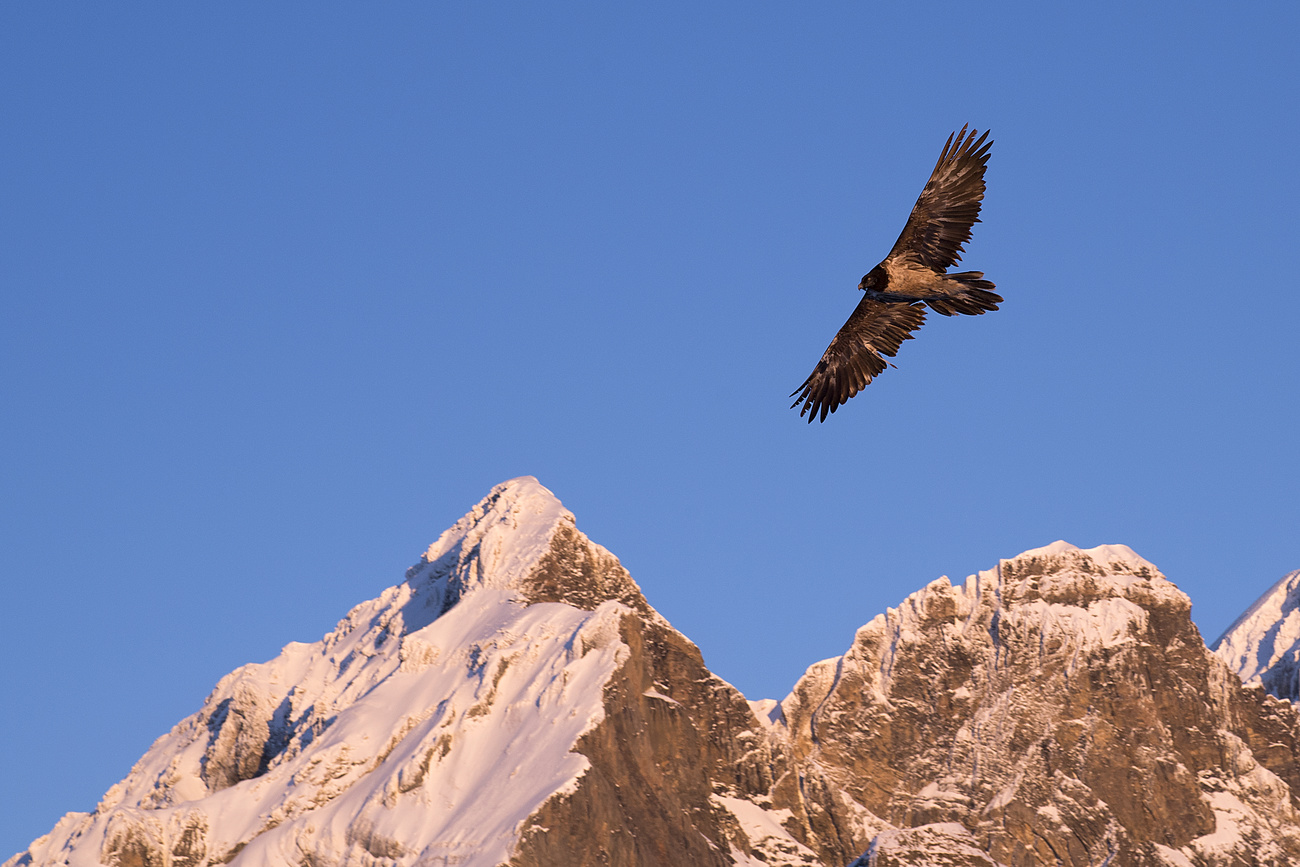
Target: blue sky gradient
{"type": "Point", "coordinates": [286, 291]}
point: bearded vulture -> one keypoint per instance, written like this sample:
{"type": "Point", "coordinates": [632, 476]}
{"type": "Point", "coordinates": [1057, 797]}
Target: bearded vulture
{"type": "Point", "coordinates": [912, 277]}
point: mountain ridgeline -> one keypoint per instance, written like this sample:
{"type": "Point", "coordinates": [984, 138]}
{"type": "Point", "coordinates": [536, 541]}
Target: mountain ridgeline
{"type": "Point", "coordinates": [517, 701]}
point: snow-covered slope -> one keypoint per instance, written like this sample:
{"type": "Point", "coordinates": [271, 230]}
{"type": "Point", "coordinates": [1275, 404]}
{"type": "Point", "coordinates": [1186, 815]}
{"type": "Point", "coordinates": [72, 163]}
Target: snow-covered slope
{"type": "Point", "coordinates": [426, 728]}
{"type": "Point", "coordinates": [1263, 645]}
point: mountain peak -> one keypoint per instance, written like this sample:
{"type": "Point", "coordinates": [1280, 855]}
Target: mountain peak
{"type": "Point", "coordinates": [1024, 716]}
{"type": "Point", "coordinates": [1061, 572]}
{"type": "Point", "coordinates": [1083, 598]}
{"type": "Point", "coordinates": [1117, 558]}
{"type": "Point", "coordinates": [521, 540]}
{"type": "Point", "coordinates": [504, 535]}
{"type": "Point", "coordinates": [1263, 645]}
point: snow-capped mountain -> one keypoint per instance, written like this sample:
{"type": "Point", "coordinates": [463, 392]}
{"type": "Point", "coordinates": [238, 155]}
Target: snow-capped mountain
{"type": "Point", "coordinates": [428, 725]}
{"type": "Point", "coordinates": [516, 700]}
{"type": "Point", "coordinates": [1263, 645]}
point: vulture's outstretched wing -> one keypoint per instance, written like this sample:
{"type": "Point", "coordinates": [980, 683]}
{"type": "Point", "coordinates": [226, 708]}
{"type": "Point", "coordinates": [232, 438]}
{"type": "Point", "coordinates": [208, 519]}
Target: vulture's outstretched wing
{"type": "Point", "coordinates": [875, 328]}
{"type": "Point", "coordinates": [949, 205]}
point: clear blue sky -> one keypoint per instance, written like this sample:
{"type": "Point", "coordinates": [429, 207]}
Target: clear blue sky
{"type": "Point", "coordinates": [284, 292]}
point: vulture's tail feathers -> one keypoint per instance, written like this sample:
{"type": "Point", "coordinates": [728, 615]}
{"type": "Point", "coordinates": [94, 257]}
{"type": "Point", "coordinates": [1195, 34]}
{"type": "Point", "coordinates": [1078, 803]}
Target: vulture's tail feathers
{"type": "Point", "coordinates": [968, 293]}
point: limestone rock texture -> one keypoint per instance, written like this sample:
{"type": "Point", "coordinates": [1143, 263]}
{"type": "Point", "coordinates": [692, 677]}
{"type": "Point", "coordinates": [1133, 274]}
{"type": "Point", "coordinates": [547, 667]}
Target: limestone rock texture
{"type": "Point", "coordinates": [517, 701]}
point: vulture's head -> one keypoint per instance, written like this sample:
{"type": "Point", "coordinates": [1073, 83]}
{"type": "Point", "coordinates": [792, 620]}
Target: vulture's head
{"type": "Point", "coordinates": [875, 279]}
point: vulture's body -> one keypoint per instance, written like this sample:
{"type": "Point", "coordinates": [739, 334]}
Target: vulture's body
{"type": "Point", "coordinates": [912, 277]}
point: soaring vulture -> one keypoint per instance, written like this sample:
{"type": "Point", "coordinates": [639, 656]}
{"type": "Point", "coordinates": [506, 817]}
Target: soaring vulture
{"type": "Point", "coordinates": [912, 277]}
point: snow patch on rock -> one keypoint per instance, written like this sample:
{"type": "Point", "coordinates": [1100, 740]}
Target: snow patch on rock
{"type": "Point", "coordinates": [765, 830]}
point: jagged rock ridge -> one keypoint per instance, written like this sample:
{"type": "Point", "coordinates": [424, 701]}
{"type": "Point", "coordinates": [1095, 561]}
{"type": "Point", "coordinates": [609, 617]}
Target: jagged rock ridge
{"type": "Point", "coordinates": [516, 700]}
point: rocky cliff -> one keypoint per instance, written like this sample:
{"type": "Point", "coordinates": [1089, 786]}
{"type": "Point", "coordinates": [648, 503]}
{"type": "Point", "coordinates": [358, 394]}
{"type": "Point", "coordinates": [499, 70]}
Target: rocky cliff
{"type": "Point", "coordinates": [517, 701]}
{"type": "Point", "coordinates": [1058, 709]}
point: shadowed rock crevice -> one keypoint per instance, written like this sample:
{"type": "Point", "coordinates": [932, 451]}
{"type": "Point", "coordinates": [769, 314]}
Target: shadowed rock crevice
{"type": "Point", "coordinates": [240, 730]}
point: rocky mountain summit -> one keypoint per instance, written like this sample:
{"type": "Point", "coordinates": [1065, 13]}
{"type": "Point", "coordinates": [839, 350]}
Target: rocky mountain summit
{"type": "Point", "coordinates": [516, 700]}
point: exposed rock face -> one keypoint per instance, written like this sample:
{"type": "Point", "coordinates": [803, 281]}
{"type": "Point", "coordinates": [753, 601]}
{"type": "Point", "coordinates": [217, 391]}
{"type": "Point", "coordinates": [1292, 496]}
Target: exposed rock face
{"type": "Point", "coordinates": [672, 734]}
{"type": "Point", "coordinates": [517, 700]}
{"type": "Point", "coordinates": [1061, 708]}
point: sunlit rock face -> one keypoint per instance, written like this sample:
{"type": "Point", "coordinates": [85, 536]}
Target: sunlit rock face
{"type": "Point", "coordinates": [1062, 708]}
{"type": "Point", "coordinates": [516, 700]}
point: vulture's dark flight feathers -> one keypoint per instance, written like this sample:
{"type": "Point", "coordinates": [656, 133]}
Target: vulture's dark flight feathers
{"type": "Point", "coordinates": [912, 277]}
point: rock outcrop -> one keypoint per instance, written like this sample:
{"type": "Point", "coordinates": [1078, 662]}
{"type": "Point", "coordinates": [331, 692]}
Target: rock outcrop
{"type": "Point", "coordinates": [516, 700]}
